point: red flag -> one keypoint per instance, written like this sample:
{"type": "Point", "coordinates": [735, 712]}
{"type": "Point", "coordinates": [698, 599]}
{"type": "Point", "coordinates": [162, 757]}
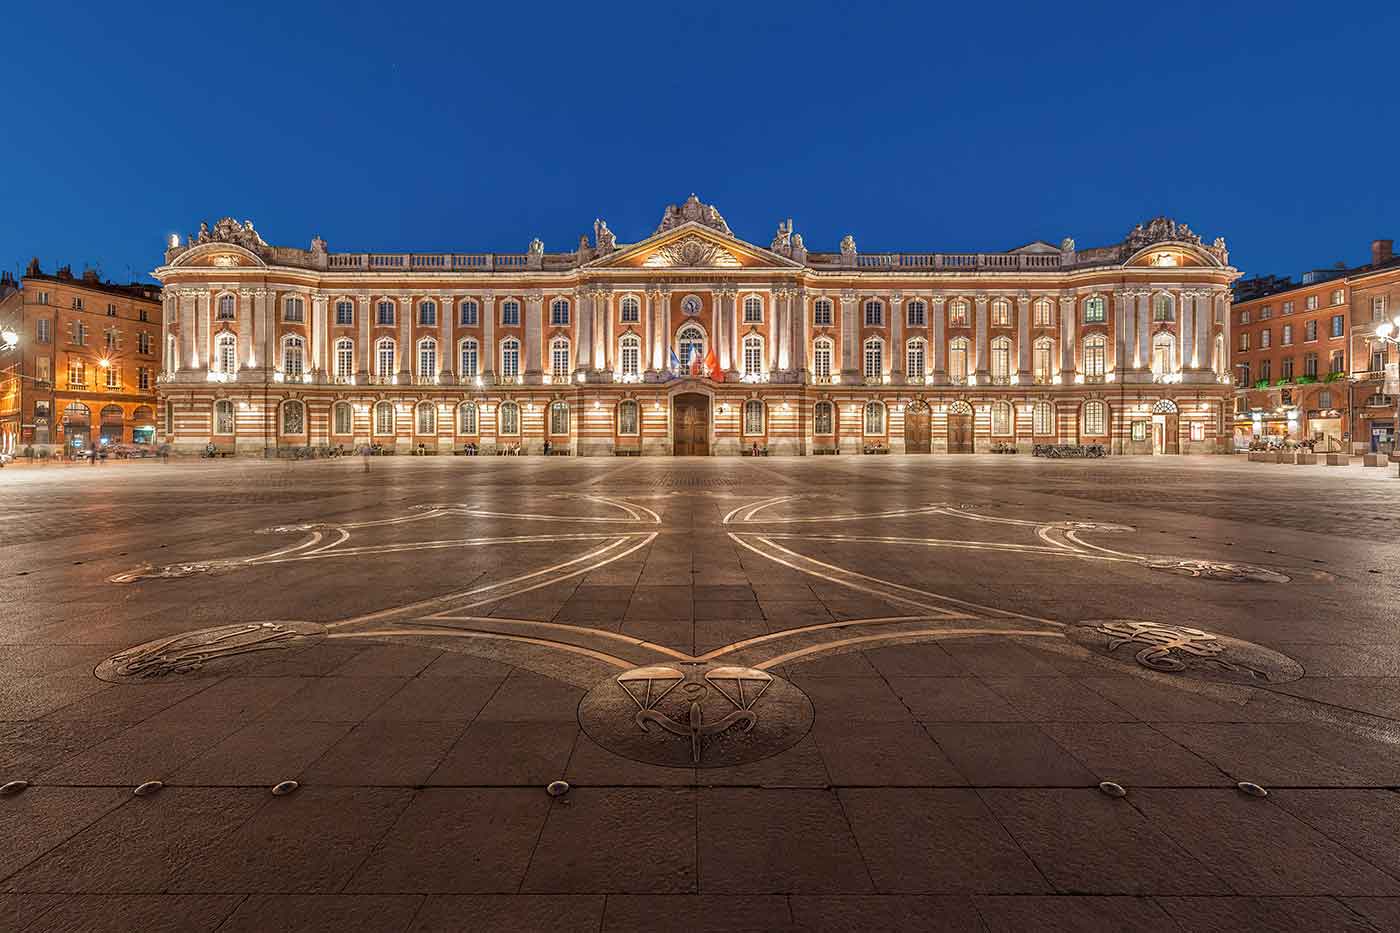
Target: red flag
{"type": "Point", "coordinates": [712, 366]}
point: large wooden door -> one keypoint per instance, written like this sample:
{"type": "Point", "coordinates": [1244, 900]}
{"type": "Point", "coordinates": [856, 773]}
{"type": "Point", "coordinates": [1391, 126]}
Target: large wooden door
{"type": "Point", "coordinates": [692, 425]}
{"type": "Point", "coordinates": [959, 434]}
{"type": "Point", "coordinates": [917, 439]}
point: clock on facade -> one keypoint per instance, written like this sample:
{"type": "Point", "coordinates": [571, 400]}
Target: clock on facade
{"type": "Point", "coordinates": [691, 305]}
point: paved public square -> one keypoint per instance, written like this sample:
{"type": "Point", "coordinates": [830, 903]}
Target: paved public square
{"type": "Point", "coordinates": [830, 693]}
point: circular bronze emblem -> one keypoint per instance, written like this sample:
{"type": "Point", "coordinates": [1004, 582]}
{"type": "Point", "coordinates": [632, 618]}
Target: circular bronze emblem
{"type": "Point", "coordinates": [695, 715]}
{"type": "Point", "coordinates": [1190, 652]}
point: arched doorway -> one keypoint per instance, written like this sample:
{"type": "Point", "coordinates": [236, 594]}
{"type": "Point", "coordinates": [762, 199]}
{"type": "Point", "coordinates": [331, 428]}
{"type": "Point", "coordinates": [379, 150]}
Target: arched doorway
{"type": "Point", "coordinates": [917, 436]}
{"type": "Point", "coordinates": [960, 428]}
{"type": "Point", "coordinates": [1165, 427]}
{"type": "Point", "coordinates": [692, 425]}
{"type": "Point", "coordinates": [111, 425]}
{"type": "Point", "coordinates": [77, 425]}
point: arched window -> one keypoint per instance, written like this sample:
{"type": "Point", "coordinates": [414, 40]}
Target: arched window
{"type": "Point", "coordinates": [1043, 419]}
{"type": "Point", "coordinates": [469, 313]}
{"type": "Point", "coordinates": [510, 313]}
{"type": "Point", "coordinates": [427, 360]}
{"type": "Point", "coordinates": [822, 419]}
{"type": "Point", "coordinates": [1042, 360]}
{"type": "Point", "coordinates": [1163, 307]}
{"type": "Point", "coordinates": [957, 312]}
{"type": "Point", "coordinates": [914, 359]}
{"type": "Point", "coordinates": [628, 417]}
{"type": "Point", "coordinates": [510, 358]}
{"type": "Point", "coordinates": [226, 354]}
{"type": "Point", "coordinates": [223, 416]}
{"type": "Point", "coordinates": [1094, 312]}
{"type": "Point", "coordinates": [293, 357]}
{"type": "Point", "coordinates": [384, 313]}
{"type": "Point", "coordinates": [343, 419]}
{"type": "Point", "coordinates": [874, 359]}
{"type": "Point", "coordinates": [753, 310]}
{"type": "Point", "coordinates": [1095, 355]}
{"type": "Point", "coordinates": [957, 361]}
{"type": "Point", "coordinates": [1002, 419]}
{"type": "Point", "coordinates": [630, 309]}
{"type": "Point", "coordinates": [1001, 313]}
{"type": "Point", "coordinates": [916, 313]}
{"type": "Point", "coordinates": [427, 314]}
{"type": "Point", "coordinates": [1001, 360]}
{"type": "Point", "coordinates": [821, 359]}
{"type": "Point", "coordinates": [559, 358]}
{"type": "Point", "coordinates": [874, 417]}
{"type": "Point", "coordinates": [690, 345]}
{"type": "Point", "coordinates": [344, 314]}
{"type": "Point", "coordinates": [226, 305]}
{"type": "Point", "coordinates": [344, 358]}
{"type": "Point", "coordinates": [821, 312]}
{"type": "Point", "coordinates": [293, 417]}
{"type": "Point", "coordinates": [427, 418]}
{"type": "Point", "coordinates": [559, 418]}
{"type": "Point", "coordinates": [294, 310]}
{"type": "Point", "coordinates": [559, 312]}
{"type": "Point", "coordinates": [1095, 418]}
{"type": "Point", "coordinates": [383, 417]}
{"type": "Point", "coordinates": [384, 353]}
{"type": "Point", "coordinates": [753, 356]}
{"type": "Point", "coordinates": [1163, 355]}
{"type": "Point", "coordinates": [630, 353]}
{"type": "Point", "coordinates": [466, 418]}
{"type": "Point", "coordinates": [510, 418]}
{"type": "Point", "coordinates": [468, 353]}
{"type": "Point", "coordinates": [753, 417]}
{"type": "Point", "coordinates": [874, 313]}
{"type": "Point", "coordinates": [1043, 313]}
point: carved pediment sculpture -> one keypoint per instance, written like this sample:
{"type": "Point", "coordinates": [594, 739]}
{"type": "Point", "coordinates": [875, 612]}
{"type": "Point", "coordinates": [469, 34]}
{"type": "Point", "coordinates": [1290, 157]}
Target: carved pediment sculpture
{"type": "Point", "coordinates": [1156, 231]}
{"type": "Point", "coordinates": [229, 230]}
{"type": "Point", "coordinates": [693, 210]}
{"type": "Point", "coordinates": [692, 252]}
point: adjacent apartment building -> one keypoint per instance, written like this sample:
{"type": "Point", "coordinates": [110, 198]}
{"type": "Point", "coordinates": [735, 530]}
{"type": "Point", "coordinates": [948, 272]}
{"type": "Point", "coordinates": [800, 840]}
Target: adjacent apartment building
{"type": "Point", "coordinates": [1307, 361]}
{"type": "Point", "coordinates": [693, 341]}
{"type": "Point", "coordinates": [83, 370]}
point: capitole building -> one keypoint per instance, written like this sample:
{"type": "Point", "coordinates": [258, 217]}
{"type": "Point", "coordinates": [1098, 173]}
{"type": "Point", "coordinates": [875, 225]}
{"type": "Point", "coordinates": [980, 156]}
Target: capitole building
{"type": "Point", "coordinates": [692, 341]}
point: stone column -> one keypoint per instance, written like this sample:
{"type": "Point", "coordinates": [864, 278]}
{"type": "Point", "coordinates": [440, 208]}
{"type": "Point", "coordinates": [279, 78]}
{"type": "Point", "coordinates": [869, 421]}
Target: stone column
{"type": "Point", "coordinates": [1023, 338]}
{"type": "Point", "coordinates": [983, 347]}
{"type": "Point", "coordinates": [894, 366]}
{"type": "Point", "coordinates": [600, 330]}
{"type": "Point", "coordinates": [486, 362]}
{"type": "Point", "coordinates": [729, 344]}
{"type": "Point", "coordinates": [649, 330]}
{"type": "Point", "coordinates": [405, 339]}
{"type": "Point", "coordinates": [320, 336]}
{"type": "Point", "coordinates": [607, 358]}
{"type": "Point", "coordinates": [245, 328]}
{"type": "Point", "coordinates": [583, 327]}
{"type": "Point", "coordinates": [940, 339]}
{"type": "Point", "coordinates": [664, 324]}
{"type": "Point", "coordinates": [447, 356]}
{"type": "Point", "coordinates": [800, 316]}
{"type": "Point", "coordinates": [1205, 317]}
{"type": "Point", "coordinates": [366, 348]}
{"type": "Point", "coordinates": [188, 347]}
{"type": "Point", "coordinates": [1069, 340]}
{"type": "Point", "coordinates": [266, 331]}
{"type": "Point", "coordinates": [782, 328]}
{"type": "Point", "coordinates": [1185, 331]}
{"type": "Point", "coordinates": [534, 335]}
{"type": "Point", "coordinates": [169, 307]}
{"type": "Point", "coordinates": [1124, 344]}
{"type": "Point", "coordinates": [1144, 330]}
{"type": "Point", "coordinates": [850, 351]}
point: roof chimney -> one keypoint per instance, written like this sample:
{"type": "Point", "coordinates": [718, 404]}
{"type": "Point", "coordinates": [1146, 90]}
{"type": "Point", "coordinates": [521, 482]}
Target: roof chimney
{"type": "Point", "coordinates": [1381, 251]}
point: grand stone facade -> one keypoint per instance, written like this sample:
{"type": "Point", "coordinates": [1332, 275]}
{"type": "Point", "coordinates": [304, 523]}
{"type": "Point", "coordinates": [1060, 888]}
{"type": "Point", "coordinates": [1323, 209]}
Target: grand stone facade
{"type": "Point", "coordinates": [693, 341]}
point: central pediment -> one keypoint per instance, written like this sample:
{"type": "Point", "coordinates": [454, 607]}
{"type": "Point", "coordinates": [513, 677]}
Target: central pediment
{"type": "Point", "coordinates": [692, 245]}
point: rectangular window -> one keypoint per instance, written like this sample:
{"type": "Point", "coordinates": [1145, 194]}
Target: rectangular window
{"type": "Point", "coordinates": [874, 314]}
{"type": "Point", "coordinates": [1287, 339]}
{"type": "Point", "coordinates": [77, 374]}
{"type": "Point", "coordinates": [111, 310]}
{"type": "Point", "coordinates": [1339, 295]}
{"type": "Point", "coordinates": [1310, 330]}
{"type": "Point", "coordinates": [1094, 312]}
{"type": "Point", "coordinates": [510, 314]}
{"type": "Point", "coordinates": [295, 311]}
{"type": "Point", "coordinates": [1310, 365]}
{"type": "Point", "coordinates": [1139, 430]}
{"type": "Point", "coordinates": [1198, 430]}
{"type": "Point", "coordinates": [43, 330]}
{"type": "Point", "coordinates": [1287, 366]}
{"type": "Point", "coordinates": [80, 333]}
{"type": "Point", "coordinates": [427, 314]}
{"type": "Point", "coordinates": [915, 367]}
{"type": "Point", "coordinates": [344, 313]}
{"type": "Point", "coordinates": [114, 377]}
{"type": "Point", "coordinates": [1266, 370]}
{"type": "Point", "coordinates": [1337, 324]}
{"type": "Point", "coordinates": [41, 371]}
{"type": "Point", "coordinates": [821, 313]}
{"type": "Point", "coordinates": [143, 316]}
{"type": "Point", "coordinates": [77, 304]}
{"type": "Point", "coordinates": [1338, 361]}
{"type": "Point", "coordinates": [1244, 317]}
{"type": "Point", "coordinates": [143, 378]}
{"type": "Point", "coordinates": [43, 298]}
{"type": "Point", "coordinates": [1378, 308]}
{"type": "Point", "coordinates": [1310, 303]}
{"type": "Point", "coordinates": [1265, 336]}
{"type": "Point", "coordinates": [469, 314]}
{"type": "Point", "coordinates": [111, 338]}
{"type": "Point", "coordinates": [1244, 340]}
{"type": "Point", "coordinates": [1244, 374]}
{"type": "Point", "coordinates": [916, 314]}
{"type": "Point", "coordinates": [1288, 307]}
{"type": "Point", "coordinates": [1265, 313]}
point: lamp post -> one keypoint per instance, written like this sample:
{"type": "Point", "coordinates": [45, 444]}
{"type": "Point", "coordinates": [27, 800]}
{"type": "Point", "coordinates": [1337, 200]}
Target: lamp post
{"type": "Point", "coordinates": [1388, 332]}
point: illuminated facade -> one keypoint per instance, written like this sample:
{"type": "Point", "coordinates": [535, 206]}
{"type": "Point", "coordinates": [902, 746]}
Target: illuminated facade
{"type": "Point", "coordinates": [693, 341]}
{"type": "Point", "coordinates": [84, 368]}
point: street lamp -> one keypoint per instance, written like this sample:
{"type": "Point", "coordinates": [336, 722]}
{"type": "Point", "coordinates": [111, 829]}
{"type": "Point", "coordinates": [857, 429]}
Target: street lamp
{"type": "Point", "coordinates": [1389, 332]}
{"type": "Point", "coordinates": [9, 339]}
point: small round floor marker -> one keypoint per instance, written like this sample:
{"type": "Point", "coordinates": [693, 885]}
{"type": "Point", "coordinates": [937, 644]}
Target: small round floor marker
{"type": "Point", "coordinates": [283, 788]}
{"type": "Point", "coordinates": [1252, 789]}
{"type": "Point", "coordinates": [1112, 789]}
{"type": "Point", "coordinates": [10, 788]}
{"type": "Point", "coordinates": [147, 788]}
{"type": "Point", "coordinates": [557, 788]}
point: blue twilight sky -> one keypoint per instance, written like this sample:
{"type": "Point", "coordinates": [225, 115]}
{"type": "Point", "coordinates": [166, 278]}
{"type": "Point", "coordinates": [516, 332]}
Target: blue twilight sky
{"type": "Point", "coordinates": [975, 126]}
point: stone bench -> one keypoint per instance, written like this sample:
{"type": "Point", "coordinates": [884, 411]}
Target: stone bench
{"type": "Point", "coordinates": [1303, 458]}
{"type": "Point", "coordinates": [1373, 460]}
{"type": "Point", "coordinates": [1337, 459]}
